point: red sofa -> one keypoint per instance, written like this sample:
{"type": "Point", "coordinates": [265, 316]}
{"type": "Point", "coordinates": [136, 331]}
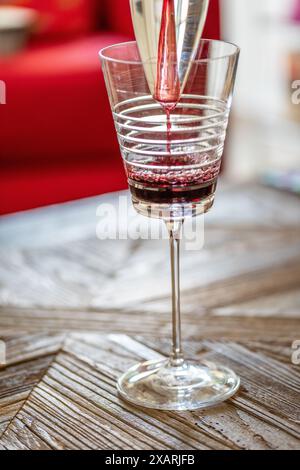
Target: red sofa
{"type": "Point", "coordinates": [57, 140]}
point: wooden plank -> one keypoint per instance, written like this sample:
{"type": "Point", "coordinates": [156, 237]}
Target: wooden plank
{"type": "Point", "coordinates": [260, 374]}
{"type": "Point", "coordinates": [281, 304]}
{"type": "Point", "coordinates": [23, 348]}
{"type": "Point", "coordinates": [255, 289]}
{"type": "Point", "coordinates": [75, 405]}
{"type": "Point", "coordinates": [196, 325]}
{"type": "Point", "coordinates": [28, 358]}
{"type": "Point", "coordinates": [70, 279]}
{"type": "Point", "coordinates": [16, 383]}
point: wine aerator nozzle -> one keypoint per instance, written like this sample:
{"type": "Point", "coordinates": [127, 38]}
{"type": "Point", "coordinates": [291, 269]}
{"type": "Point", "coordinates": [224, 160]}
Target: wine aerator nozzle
{"type": "Point", "coordinates": [179, 21]}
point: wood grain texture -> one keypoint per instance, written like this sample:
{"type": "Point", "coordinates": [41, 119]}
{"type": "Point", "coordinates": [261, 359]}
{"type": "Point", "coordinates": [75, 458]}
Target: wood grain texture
{"type": "Point", "coordinates": [75, 312]}
{"type": "Point", "coordinates": [27, 358]}
{"type": "Point", "coordinates": [75, 405]}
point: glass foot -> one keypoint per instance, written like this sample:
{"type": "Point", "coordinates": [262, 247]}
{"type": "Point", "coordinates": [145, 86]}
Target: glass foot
{"type": "Point", "coordinates": [189, 386]}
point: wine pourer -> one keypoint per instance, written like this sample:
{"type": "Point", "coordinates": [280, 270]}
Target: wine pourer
{"type": "Point", "coordinates": [184, 26]}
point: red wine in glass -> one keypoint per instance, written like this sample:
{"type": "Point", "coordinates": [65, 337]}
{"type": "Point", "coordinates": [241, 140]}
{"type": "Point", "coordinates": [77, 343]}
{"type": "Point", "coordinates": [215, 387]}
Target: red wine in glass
{"type": "Point", "coordinates": [171, 186]}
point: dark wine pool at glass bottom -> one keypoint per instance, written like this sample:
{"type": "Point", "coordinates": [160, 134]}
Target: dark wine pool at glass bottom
{"type": "Point", "coordinates": [172, 194]}
{"type": "Point", "coordinates": [182, 190]}
{"type": "Point", "coordinates": [172, 202]}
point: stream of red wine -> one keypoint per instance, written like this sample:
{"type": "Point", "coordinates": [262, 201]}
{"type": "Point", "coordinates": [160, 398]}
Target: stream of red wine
{"type": "Point", "coordinates": [167, 88]}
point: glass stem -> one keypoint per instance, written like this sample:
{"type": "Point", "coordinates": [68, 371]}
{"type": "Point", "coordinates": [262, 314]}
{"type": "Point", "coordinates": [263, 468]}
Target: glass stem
{"type": "Point", "coordinates": [175, 231]}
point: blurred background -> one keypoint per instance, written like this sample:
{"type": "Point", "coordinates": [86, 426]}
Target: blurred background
{"type": "Point", "coordinates": [57, 140]}
{"type": "Point", "coordinates": [264, 141]}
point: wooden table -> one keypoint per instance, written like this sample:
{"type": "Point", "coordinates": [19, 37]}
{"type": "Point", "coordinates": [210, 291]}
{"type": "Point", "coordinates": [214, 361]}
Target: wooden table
{"type": "Point", "coordinates": [75, 312]}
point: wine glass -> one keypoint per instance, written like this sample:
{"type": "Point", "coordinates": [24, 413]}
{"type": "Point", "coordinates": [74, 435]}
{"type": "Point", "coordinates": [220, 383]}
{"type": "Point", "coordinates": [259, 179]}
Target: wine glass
{"type": "Point", "coordinates": [172, 169]}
